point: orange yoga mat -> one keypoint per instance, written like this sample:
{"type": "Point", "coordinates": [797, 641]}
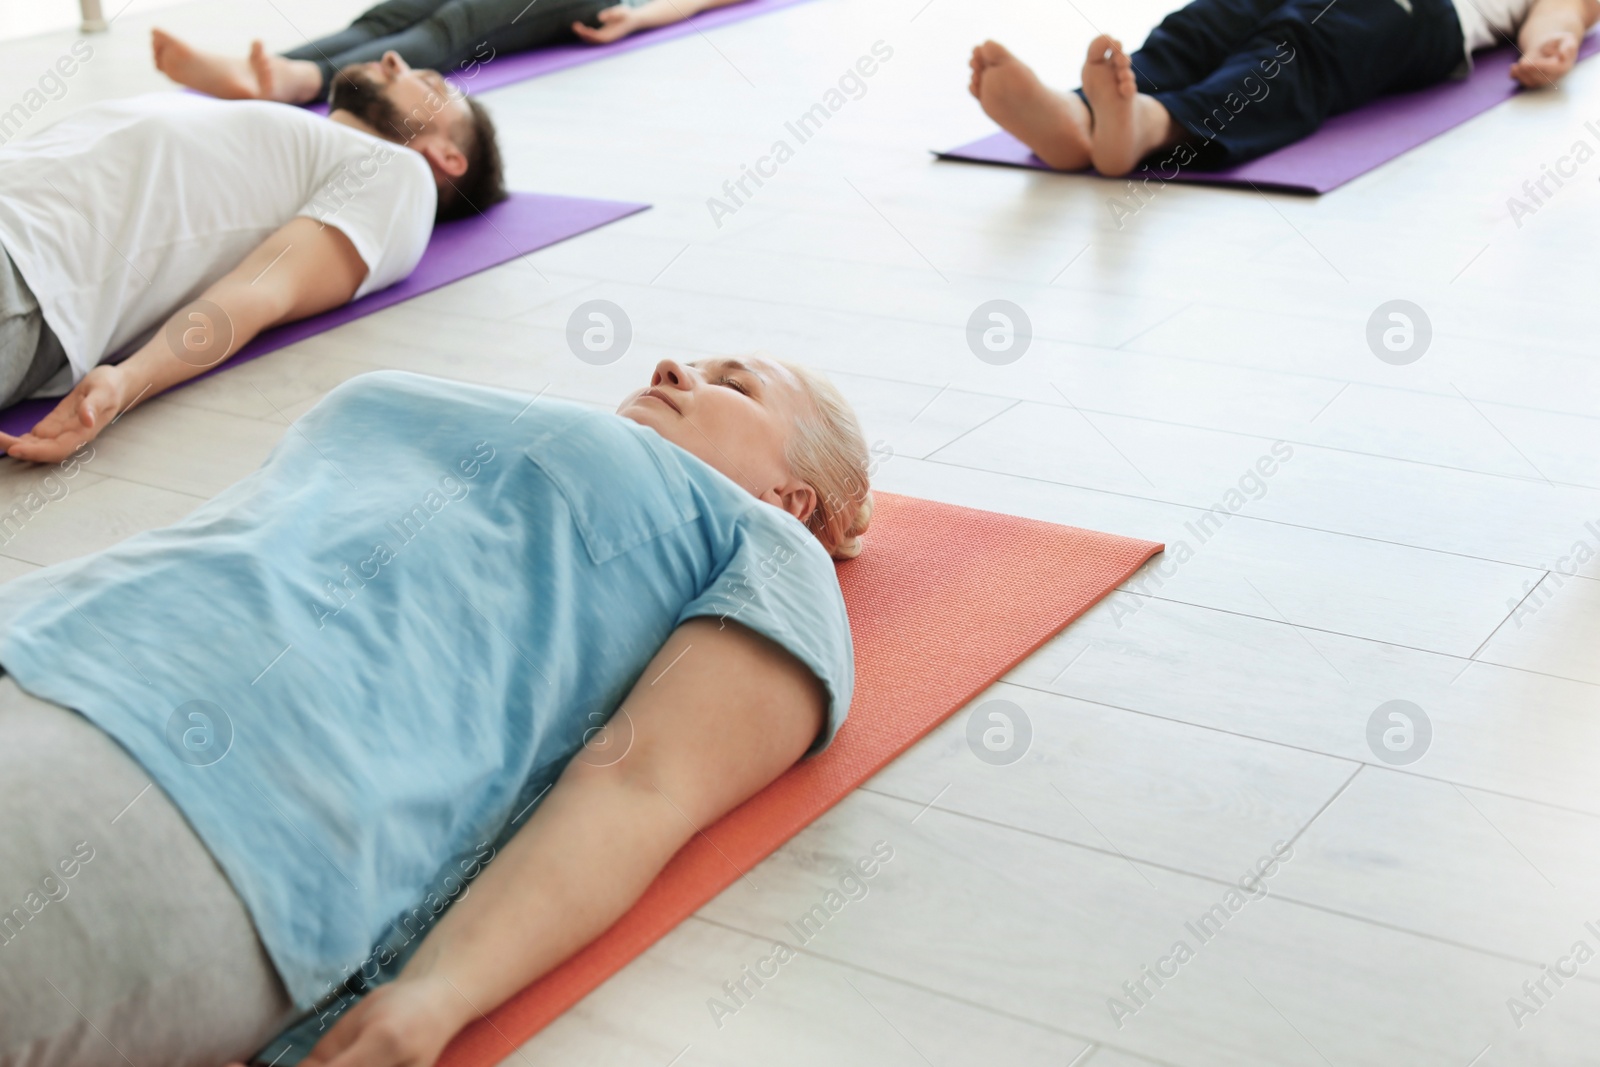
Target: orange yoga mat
{"type": "Point", "coordinates": [943, 601]}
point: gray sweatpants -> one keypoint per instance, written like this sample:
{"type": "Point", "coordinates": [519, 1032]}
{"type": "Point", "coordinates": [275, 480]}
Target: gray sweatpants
{"type": "Point", "coordinates": [30, 354]}
{"type": "Point", "coordinates": [121, 941]}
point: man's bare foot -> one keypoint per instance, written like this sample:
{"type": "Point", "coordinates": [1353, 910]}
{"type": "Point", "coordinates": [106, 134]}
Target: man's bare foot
{"type": "Point", "coordinates": [289, 81]}
{"type": "Point", "coordinates": [1127, 125]}
{"type": "Point", "coordinates": [230, 79]}
{"type": "Point", "coordinates": [1054, 125]}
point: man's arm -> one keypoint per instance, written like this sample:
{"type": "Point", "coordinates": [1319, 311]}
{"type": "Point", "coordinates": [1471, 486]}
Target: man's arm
{"type": "Point", "coordinates": [1549, 40]}
{"type": "Point", "coordinates": [303, 268]}
{"type": "Point", "coordinates": [719, 713]}
{"type": "Point", "coordinates": [619, 21]}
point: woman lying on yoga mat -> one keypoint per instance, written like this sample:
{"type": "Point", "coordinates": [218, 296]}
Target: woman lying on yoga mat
{"type": "Point", "coordinates": [370, 680]}
{"type": "Point", "coordinates": [1221, 82]}
{"type": "Point", "coordinates": [453, 36]}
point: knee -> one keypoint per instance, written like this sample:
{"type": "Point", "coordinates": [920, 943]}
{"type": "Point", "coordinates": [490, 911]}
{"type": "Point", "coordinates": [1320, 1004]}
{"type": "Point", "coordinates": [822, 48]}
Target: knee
{"type": "Point", "coordinates": [453, 30]}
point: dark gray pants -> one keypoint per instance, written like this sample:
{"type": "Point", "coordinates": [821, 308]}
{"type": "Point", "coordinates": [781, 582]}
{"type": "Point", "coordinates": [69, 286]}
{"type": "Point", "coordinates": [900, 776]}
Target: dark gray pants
{"type": "Point", "coordinates": [448, 36]}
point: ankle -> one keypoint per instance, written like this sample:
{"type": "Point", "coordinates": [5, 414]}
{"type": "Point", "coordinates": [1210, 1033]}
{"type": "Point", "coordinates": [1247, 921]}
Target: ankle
{"type": "Point", "coordinates": [305, 77]}
{"type": "Point", "coordinates": [1164, 132]}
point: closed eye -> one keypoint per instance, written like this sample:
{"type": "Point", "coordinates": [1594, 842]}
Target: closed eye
{"type": "Point", "coordinates": [733, 383]}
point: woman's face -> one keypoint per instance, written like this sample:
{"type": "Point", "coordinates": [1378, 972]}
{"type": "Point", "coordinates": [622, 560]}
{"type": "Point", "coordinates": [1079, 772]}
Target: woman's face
{"type": "Point", "coordinates": [735, 414]}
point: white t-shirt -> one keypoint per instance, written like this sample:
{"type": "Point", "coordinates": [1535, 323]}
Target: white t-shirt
{"type": "Point", "coordinates": [123, 212]}
{"type": "Point", "coordinates": [1487, 23]}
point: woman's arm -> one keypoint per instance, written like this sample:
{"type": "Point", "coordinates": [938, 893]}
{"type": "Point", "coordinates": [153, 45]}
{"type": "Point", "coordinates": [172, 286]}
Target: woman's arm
{"type": "Point", "coordinates": [719, 713]}
{"type": "Point", "coordinates": [1549, 40]}
{"type": "Point", "coordinates": [619, 21]}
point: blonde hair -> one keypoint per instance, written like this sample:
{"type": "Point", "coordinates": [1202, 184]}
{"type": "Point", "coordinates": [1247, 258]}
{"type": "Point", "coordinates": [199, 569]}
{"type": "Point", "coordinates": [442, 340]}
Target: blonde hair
{"type": "Point", "coordinates": [829, 453]}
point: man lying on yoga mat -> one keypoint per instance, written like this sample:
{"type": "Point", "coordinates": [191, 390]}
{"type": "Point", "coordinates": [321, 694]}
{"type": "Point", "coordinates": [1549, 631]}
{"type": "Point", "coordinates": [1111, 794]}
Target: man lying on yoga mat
{"type": "Point", "coordinates": [377, 670]}
{"type": "Point", "coordinates": [172, 229]}
{"type": "Point", "coordinates": [1221, 82]}
{"type": "Point", "coordinates": [456, 36]}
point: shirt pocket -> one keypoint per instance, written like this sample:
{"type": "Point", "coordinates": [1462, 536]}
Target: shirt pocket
{"type": "Point", "coordinates": [622, 493]}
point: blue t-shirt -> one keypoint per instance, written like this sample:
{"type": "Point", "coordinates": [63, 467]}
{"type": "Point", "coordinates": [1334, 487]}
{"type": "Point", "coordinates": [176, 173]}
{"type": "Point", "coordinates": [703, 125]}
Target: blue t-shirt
{"type": "Point", "coordinates": [359, 668]}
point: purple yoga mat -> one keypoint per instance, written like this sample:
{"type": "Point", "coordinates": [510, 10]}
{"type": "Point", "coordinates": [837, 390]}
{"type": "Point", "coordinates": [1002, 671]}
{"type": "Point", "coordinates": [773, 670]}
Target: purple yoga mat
{"type": "Point", "coordinates": [525, 223]}
{"type": "Point", "coordinates": [510, 67]}
{"type": "Point", "coordinates": [1346, 146]}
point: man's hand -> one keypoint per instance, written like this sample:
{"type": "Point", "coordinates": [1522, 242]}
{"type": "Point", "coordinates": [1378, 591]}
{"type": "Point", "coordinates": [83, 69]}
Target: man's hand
{"type": "Point", "coordinates": [100, 397]}
{"type": "Point", "coordinates": [303, 268]}
{"type": "Point", "coordinates": [615, 24]}
{"type": "Point", "coordinates": [1548, 61]}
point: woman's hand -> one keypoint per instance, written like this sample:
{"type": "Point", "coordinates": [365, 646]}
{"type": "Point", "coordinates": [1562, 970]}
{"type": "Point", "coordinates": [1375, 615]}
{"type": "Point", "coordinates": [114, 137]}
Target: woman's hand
{"type": "Point", "coordinates": [1547, 63]}
{"type": "Point", "coordinates": [406, 1023]}
{"type": "Point", "coordinates": [708, 733]}
{"type": "Point", "coordinates": [77, 420]}
{"type": "Point", "coordinates": [615, 24]}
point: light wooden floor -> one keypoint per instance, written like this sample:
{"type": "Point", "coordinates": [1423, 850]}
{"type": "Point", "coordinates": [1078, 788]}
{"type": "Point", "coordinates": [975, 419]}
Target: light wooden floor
{"type": "Point", "coordinates": [1179, 732]}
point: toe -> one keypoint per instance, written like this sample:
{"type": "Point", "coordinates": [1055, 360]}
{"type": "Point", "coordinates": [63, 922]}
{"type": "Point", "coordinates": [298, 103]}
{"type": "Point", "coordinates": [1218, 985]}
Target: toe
{"type": "Point", "coordinates": [993, 52]}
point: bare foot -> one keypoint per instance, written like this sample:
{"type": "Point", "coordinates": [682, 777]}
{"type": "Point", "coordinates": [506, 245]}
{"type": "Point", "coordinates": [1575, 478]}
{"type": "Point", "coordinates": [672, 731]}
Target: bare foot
{"type": "Point", "coordinates": [1054, 125]}
{"type": "Point", "coordinates": [1127, 124]}
{"type": "Point", "coordinates": [230, 79]}
{"type": "Point", "coordinates": [289, 81]}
